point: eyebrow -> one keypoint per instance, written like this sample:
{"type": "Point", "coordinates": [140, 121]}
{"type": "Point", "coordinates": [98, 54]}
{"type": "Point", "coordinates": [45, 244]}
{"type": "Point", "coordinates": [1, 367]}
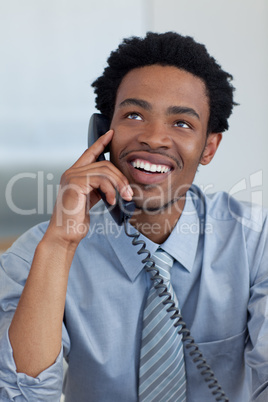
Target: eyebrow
{"type": "Point", "coordinates": [183, 110]}
{"type": "Point", "coordinates": [136, 102]}
{"type": "Point", "coordinates": [171, 109]}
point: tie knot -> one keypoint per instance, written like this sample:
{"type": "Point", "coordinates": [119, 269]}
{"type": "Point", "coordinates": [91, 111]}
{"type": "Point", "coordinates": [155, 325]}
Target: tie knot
{"type": "Point", "coordinates": [163, 262]}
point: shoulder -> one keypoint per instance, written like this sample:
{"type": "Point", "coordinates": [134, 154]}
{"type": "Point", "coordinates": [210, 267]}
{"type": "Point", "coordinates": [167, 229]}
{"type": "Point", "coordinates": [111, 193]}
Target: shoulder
{"type": "Point", "coordinates": [24, 247]}
{"type": "Point", "coordinates": [15, 263]}
{"type": "Point", "coordinates": [221, 206]}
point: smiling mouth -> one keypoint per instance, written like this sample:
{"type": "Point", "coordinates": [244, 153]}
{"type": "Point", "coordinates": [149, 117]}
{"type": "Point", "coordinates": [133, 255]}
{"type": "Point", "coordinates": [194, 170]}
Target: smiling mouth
{"type": "Point", "coordinates": [148, 167]}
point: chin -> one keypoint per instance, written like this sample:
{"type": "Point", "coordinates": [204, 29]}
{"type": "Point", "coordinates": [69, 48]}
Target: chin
{"type": "Point", "coordinates": [153, 208]}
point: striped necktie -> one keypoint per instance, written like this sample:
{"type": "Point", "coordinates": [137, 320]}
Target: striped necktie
{"type": "Point", "coordinates": [162, 370]}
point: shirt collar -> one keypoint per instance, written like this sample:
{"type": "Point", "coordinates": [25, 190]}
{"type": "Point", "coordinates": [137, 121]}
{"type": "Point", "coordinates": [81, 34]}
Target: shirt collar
{"type": "Point", "coordinates": [127, 252]}
{"type": "Point", "coordinates": [181, 244]}
{"type": "Point", "coordinates": [183, 240]}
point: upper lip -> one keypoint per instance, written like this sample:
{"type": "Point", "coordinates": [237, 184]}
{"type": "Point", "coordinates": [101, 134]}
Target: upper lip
{"type": "Point", "coordinates": [154, 158]}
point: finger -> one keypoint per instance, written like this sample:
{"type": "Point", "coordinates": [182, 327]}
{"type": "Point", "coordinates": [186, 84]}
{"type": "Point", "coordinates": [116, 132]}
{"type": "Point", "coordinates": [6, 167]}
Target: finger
{"type": "Point", "coordinates": [93, 152]}
{"type": "Point", "coordinates": [124, 190]}
{"type": "Point", "coordinates": [99, 177]}
{"type": "Point", "coordinates": [95, 173]}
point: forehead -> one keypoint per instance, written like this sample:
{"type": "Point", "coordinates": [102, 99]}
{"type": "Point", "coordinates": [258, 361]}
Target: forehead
{"type": "Point", "coordinates": [164, 86]}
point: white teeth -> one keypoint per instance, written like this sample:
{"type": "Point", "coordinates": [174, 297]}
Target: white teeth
{"type": "Point", "coordinates": [150, 167]}
{"type": "Point", "coordinates": [147, 167]}
{"type": "Point", "coordinates": [164, 169]}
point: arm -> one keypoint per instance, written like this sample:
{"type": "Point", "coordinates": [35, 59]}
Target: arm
{"type": "Point", "coordinates": [14, 270]}
{"type": "Point", "coordinates": [257, 349]}
{"type": "Point", "coordinates": [36, 329]}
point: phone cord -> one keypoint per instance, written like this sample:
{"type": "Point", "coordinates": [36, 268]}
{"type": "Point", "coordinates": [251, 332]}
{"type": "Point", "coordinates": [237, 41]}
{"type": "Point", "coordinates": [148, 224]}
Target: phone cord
{"type": "Point", "coordinates": [190, 344]}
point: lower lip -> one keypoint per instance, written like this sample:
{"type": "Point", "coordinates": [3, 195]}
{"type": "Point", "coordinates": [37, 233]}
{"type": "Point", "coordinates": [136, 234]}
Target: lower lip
{"type": "Point", "coordinates": [143, 177]}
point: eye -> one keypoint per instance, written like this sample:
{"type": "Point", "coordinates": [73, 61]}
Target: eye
{"type": "Point", "coordinates": [134, 116]}
{"type": "Point", "coordinates": [182, 124]}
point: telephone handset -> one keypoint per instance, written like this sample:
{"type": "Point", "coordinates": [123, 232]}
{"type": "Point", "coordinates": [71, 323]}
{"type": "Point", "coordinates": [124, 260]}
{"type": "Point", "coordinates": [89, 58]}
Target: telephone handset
{"type": "Point", "coordinates": [121, 212]}
{"type": "Point", "coordinates": [99, 125]}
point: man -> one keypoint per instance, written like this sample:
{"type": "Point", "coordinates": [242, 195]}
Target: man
{"type": "Point", "coordinates": [76, 287]}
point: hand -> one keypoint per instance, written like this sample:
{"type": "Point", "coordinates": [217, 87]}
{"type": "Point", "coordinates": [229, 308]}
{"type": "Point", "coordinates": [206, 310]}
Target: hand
{"type": "Point", "coordinates": [79, 193]}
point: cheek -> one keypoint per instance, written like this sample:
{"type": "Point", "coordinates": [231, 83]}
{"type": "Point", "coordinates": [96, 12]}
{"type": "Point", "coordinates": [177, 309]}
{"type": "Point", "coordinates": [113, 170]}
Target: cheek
{"type": "Point", "coordinates": [190, 152]}
{"type": "Point", "coordinates": [117, 145]}
{"type": "Point", "coordinates": [113, 156]}
{"type": "Point", "coordinates": [121, 139]}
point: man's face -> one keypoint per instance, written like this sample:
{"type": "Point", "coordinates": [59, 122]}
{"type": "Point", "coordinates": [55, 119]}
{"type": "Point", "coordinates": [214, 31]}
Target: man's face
{"type": "Point", "coordinates": [160, 130]}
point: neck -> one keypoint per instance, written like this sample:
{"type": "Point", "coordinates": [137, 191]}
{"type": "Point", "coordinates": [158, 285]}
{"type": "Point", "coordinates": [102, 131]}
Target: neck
{"type": "Point", "coordinates": [158, 225]}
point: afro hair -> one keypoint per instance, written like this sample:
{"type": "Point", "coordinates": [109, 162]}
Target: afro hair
{"type": "Point", "coordinates": [168, 49]}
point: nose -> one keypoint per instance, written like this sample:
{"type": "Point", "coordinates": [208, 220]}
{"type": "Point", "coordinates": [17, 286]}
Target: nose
{"type": "Point", "coordinates": [155, 135]}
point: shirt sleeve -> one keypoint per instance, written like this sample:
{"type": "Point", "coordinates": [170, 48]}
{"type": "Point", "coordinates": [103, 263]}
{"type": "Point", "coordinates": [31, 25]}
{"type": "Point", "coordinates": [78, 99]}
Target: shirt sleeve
{"type": "Point", "coordinates": [47, 386]}
{"type": "Point", "coordinates": [21, 387]}
{"type": "Point", "coordinates": [257, 348]}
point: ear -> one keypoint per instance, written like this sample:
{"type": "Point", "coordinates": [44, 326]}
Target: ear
{"type": "Point", "coordinates": [213, 141]}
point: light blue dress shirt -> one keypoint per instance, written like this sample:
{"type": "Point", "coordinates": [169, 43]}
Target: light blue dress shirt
{"type": "Point", "coordinates": [220, 276]}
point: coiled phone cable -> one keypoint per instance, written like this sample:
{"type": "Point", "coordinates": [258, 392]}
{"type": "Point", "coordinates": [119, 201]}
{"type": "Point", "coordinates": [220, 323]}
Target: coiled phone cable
{"type": "Point", "coordinates": [195, 353]}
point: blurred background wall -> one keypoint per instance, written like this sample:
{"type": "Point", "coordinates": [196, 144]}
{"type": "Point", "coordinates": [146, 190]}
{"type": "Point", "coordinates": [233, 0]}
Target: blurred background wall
{"type": "Point", "coordinates": [52, 50]}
